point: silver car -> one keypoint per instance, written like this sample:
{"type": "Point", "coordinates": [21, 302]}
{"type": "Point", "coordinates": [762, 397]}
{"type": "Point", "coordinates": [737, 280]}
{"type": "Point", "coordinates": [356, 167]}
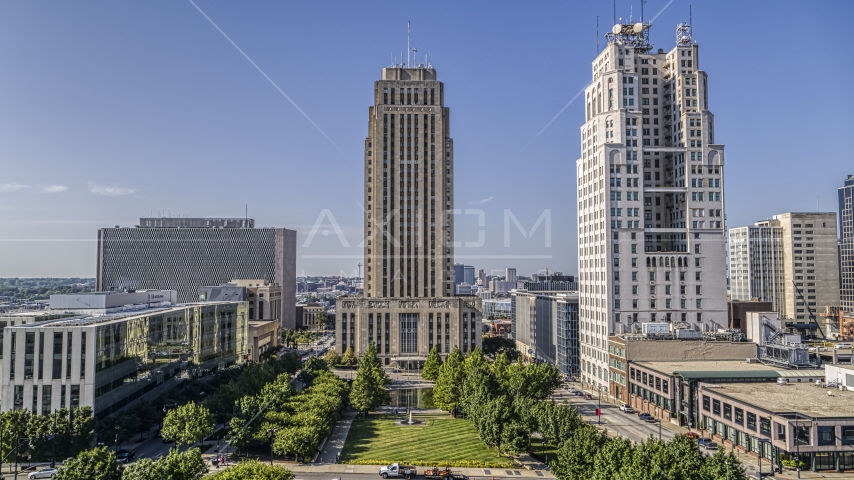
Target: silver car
{"type": "Point", "coordinates": [46, 472]}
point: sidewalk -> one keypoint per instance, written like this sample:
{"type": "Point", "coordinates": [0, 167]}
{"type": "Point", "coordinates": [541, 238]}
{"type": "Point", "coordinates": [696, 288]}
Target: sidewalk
{"type": "Point", "coordinates": [374, 469]}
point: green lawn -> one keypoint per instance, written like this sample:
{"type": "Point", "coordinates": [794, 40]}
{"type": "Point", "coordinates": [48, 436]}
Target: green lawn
{"type": "Point", "coordinates": [445, 441]}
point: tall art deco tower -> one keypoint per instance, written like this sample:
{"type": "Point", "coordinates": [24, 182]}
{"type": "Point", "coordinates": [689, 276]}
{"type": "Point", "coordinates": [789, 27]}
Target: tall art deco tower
{"type": "Point", "coordinates": [409, 198]}
{"type": "Point", "coordinates": [650, 196]}
{"type": "Point", "coordinates": [408, 307]}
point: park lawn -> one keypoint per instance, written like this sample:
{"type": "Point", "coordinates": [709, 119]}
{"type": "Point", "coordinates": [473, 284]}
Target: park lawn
{"type": "Point", "coordinates": [445, 441]}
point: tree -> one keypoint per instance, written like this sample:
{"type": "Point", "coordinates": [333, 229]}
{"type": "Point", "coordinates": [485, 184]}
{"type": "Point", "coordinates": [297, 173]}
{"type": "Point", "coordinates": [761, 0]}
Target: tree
{"type": "Point", "coordinates": [474, 360]}
{"type": "Point", "coordinates": [254, 470]}
{"type": "Point", "coordinates": [557, 422]}
{"type": "Point", "coordinates": [177, 465]}
{"type": "Point", "coordinates": [368, 390]}
{"type": "Point", "coordinates": [332, 358]}
{"type": "Point", "coordinates": [188, 423]}
{"type": "Point", "coordinates": [576, 456]}
{"type": "Point", "coordinates": [610, 461]}
{"type": "Point", "coordinates": [95, 464]}
{"type": "Point", "coordinates": [492, 420]}
{"type": "Point", "coordinates": [495, 346]}
{"type": "Point", "coordinates": [500, 368]}
{"type": "Point", "coordinates": [432, 365]}
{"type": "Point", "coordinates": [446, 393]}
{"type": "Point", "coordinates": [716, 467]}
{"type": "Point", "coordinates": [349, 358]}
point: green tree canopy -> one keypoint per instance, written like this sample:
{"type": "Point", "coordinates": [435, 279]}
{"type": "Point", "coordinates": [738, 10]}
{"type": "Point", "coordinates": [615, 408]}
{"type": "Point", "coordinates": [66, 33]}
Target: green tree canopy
{"type": "Point", "coordinates": [446, 393]}
{"type": "Point", "coordinates": [349, 358]}
{"type": "Point", "coordinates": [95, 464]}
{"type": "Point", "coordinates": [188, 423]}
{"type": "Point", "coordinates": [368, 390]}
{"type": "Point", "coordinates": [253, 470]}
{"type": "Point", "coordinates": [332, 358]}
{"type": "Point", "coordinates": [177, 465]}
{"type": "Point", "coordinates": [495, 346]}
{"type": "Point", "coordinates": [432, 365]}
{"type": "Point", "coordinates": [577, 454]}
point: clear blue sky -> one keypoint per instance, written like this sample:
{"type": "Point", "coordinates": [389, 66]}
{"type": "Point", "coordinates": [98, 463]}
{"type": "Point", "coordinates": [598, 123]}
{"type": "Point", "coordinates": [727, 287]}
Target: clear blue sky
{"type": "Point", "coordinates": [113, 110]}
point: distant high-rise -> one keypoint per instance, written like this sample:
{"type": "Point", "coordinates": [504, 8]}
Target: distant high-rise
{"type": "Point", "coordinates": [846, 244]}
{"type": "Point", "coordinates": [775, 258]}
{"type": "Point", "coordinates": [184, 254]}
{"type": "Point", "coordinates": [650, 195]}
{"type": "Point", "coordinates": [510, 275]}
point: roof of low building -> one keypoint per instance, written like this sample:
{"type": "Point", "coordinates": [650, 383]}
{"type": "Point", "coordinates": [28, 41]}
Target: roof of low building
{"type": "Point", "coordinates": [805, 398]}
{"type": "Point", "coordinates": [699, 369]}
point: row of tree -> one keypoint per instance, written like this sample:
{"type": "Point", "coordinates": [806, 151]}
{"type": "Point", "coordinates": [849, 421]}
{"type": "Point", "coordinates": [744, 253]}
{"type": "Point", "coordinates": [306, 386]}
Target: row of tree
{"type": "Point", "coordinates": [293, 422]}
{"type": "Point", "coordinates": [101, 464]}
{"type": "Point", "coordinates": [64, 432]}
{"type": "Point", "coordinates": [590, 454]}
{"type": "Point", "coordinates": [221, 393]}
{"type": "Point", "coordinates": [348, 359]}
{"type": "Point", "coordinates": [505, 401]}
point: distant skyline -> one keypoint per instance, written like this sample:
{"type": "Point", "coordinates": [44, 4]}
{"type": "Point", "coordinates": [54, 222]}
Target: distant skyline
{"type": "Point", "coordinates": [114, 111]}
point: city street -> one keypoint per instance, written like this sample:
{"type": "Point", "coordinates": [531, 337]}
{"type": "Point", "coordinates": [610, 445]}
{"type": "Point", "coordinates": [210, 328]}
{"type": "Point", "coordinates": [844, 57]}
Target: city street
{"type": "Point", "coordinates": [625, 424]}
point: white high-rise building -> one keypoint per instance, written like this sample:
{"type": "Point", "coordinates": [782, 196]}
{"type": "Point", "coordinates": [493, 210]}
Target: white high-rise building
{"type": "Point", "coordinates": [650, 195]}
{"type": "Point", "coordinates": [756, 264]}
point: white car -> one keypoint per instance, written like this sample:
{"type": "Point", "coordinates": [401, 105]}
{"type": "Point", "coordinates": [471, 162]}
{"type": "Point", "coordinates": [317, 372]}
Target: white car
{"type": "Point", "coordinates": [46, 472]}
{"type": "Point", "coordinates": [627, 408]}
{"type": "Point", "coordinates": [842, 345]}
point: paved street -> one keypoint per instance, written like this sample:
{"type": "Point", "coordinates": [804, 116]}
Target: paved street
{"type": "Point", "coordinates": [625, 424]}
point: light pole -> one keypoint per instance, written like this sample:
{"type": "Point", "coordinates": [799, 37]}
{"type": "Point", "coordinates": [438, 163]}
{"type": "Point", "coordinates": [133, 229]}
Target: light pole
{"type": "Point", "coordinates": [599, 410]}
{"type": "Point", "coordinates": [271, 431]}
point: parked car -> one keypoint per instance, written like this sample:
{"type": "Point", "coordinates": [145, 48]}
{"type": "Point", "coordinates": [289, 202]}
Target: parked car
{"type": "Point", "coordinates": [587, 396]}
{"type": "Point", "coordinates": [693, 435]}
{"type": "Point", "coordinates": [707, 443]}
{"type": "Point", "coordinates": [843, 345]}
{"type": "Point", "coordinates": [579, 393]}
{"type": "Point", "coordinates": [626, 408]}
{"type": "Point", "coordinates": [46, 472]}
{"type": "Point", "coordinates": [125, 456]}
{"type": "Point", "coordinates": [643, 416]}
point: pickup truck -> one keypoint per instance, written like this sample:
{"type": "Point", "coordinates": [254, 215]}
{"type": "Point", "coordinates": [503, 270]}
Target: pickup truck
{"type": "Point", "coordinates": [397, 470]}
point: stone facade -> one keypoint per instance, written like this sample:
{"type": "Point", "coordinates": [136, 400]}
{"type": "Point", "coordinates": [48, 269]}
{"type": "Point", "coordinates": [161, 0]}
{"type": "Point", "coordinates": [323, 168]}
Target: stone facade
{"type": "Point", "coordinates": [405, 330]}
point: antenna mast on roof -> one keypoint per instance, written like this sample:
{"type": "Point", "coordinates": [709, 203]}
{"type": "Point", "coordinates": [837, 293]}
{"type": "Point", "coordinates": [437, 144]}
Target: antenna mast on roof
{"type": "Point", "coordinates": [642, 2]}
{"type": "Point", "coordinates": [615, 12]}
{"type": "Point", "coordinates": [597, 34]}
{"type": "Point", "coordinates": [407, 44]}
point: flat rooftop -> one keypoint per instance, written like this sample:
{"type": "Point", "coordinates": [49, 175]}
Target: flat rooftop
{"type": "Point", "coordinates": [728, 368]}
{"type": "Point", "coordinates": [805, 398]}
{"type": "Point", "coordinates": [90, 319]}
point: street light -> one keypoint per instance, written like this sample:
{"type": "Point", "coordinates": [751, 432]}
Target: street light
{"type": "Point", "coordinates": [273, 432]}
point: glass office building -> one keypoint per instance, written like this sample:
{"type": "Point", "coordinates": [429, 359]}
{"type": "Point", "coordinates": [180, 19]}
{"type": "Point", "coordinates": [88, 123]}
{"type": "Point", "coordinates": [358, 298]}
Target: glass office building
{"type": "Point", "coordinates": [108, 361]}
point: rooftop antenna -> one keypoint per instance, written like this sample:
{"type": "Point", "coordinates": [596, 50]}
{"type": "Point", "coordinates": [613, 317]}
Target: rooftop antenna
{"type": "Point", "coordinates": [615, 12]}
{"type": "Point", "coordinates": [631, 14]}
{"type": "Point", "coordinates": [691, 18]}
{"type": "Point", "coordinates": [597, 34]}
{"type": "Point", "coordinates": [642, 2]}
{"type": "Point", "coordinates": [415, 55]}
{"type": "Point", "coordinates": [407, 44]}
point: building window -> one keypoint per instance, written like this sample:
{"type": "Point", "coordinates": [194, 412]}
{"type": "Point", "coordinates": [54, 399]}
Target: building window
{"type": "Point", "coordinates": [751, 421]}
{"type": "Point", "coordinates": [739, 416]}
{"type": "Point", "coordinates": [408, 332]}
{"type": "Point", "coordinates": [75, 396]}
{"type": "Point", "coordinates": [727, 411]}
{"type": "Point", "coordinates": [716, 407]}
